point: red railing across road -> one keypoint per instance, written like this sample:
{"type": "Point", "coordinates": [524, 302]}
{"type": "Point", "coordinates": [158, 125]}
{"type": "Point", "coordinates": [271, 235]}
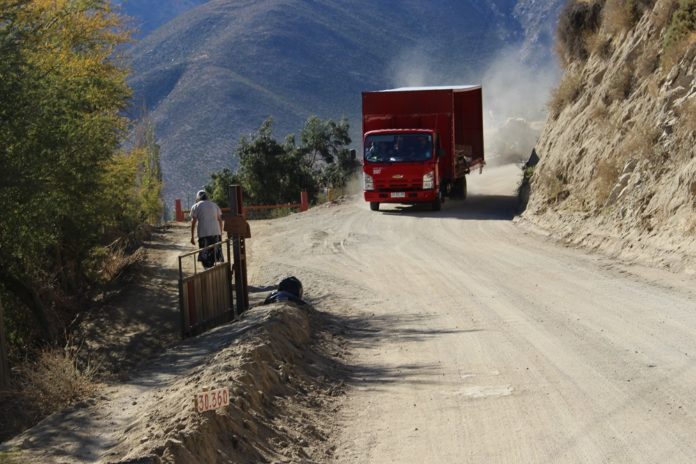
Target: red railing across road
{"type": "Point", "coordinates": [303, 206]}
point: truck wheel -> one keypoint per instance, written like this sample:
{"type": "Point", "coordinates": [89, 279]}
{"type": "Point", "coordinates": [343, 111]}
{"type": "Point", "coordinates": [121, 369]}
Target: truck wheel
{"type": "Point", "coordinates": [459, 189]}
{"type": "Point", "coordinates": [374, 206]}
{"type": "Point", "coordinates": [437, 204]}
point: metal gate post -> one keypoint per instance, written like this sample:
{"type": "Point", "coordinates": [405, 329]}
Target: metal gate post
{"type": "Point", "coordinates": [234, 194]}
{"type": "Point", "coordinates": [181, 302]}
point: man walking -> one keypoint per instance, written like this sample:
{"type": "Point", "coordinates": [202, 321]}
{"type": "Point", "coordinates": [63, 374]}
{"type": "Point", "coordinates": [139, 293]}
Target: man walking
{"type": "Point", "coordinates": [207, 216]}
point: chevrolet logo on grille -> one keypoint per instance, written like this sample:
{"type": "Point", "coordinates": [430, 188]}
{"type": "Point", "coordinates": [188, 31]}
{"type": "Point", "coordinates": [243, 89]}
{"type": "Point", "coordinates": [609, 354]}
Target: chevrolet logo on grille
{"type": "Point", "coordinates": [397, 176]}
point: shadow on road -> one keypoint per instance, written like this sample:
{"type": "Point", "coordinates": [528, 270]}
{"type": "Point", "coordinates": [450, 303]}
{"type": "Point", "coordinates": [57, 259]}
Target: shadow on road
{"type": "Point", "coordinates": [365, 332]}
{"type": "Point", "coordinates": [475, 207]}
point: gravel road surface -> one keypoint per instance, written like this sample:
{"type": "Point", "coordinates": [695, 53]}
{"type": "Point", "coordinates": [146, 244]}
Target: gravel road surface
{"type": "Point", "coordinates": [474, 339]}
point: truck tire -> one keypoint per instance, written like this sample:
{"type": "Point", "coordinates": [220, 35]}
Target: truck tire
{"type": "Point", "coordinates": [459, 189]}
{"type": "Point", "coordinates": [374, 206]}
{"type": "Point", "coordinates": [437, 203]}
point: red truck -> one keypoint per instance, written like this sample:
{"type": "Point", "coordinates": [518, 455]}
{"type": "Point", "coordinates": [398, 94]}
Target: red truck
{"type": "Point", "coordinates": [420, 142]}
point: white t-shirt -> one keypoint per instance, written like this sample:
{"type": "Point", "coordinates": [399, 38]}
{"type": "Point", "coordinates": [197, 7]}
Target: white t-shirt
{"type": "Point", "coordinates": [207, 213]}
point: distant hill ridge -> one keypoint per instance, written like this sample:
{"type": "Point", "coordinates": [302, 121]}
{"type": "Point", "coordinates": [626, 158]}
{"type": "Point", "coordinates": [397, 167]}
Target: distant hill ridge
{"type": "Point", "coordinates": [213, 73]}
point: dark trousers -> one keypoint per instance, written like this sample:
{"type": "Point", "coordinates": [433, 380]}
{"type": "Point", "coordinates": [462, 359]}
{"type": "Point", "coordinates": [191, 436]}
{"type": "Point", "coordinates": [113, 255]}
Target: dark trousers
{"type": "Point", "coordinates": [212, 255]}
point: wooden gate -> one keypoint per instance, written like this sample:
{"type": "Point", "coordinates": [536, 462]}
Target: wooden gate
{"type": "Point", "coordinates": [205, 297]}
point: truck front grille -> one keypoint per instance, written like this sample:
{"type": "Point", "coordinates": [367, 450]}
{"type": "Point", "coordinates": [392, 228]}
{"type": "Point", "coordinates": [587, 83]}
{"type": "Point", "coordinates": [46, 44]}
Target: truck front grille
{"type": "Point", "coordinates": [398, 186]}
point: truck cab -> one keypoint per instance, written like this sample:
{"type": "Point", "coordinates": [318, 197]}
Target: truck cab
{"type": "Point", "coordinates": [400, 166]}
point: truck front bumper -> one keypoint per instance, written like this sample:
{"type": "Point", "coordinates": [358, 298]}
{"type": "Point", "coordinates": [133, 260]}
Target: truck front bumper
{"type": "Point", "coordinates": [418, 196]}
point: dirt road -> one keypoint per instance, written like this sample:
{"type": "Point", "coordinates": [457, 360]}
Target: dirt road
{"type": "Point", "coordinates": [473, 340]}
{"type": "Point", "coordinates": [461, 336]}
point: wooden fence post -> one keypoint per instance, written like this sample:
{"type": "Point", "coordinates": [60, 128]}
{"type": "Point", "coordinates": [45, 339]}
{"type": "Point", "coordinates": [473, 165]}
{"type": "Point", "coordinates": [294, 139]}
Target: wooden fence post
{"type": "Point", "coordinates": [179, 211]}
{"type": "Point", "coordinates": [234, 194]}
{"type": "Point", "coordinates": [304, 201]}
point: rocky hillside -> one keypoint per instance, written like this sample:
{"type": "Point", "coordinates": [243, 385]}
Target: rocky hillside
{"type": "Point", "coordinates": [618, 163]}
{"type": "Point", "coordinates": [215, 72]}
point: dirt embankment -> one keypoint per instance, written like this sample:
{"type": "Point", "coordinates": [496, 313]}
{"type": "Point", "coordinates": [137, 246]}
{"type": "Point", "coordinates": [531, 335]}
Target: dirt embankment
{"type": "Point", "coordinates": [274, 361]}
{"type": "Point", "coordinates": [618, 164]}
{"type": "Point", "coordinates": [278, 401]}
{"type": "Point", "coordinates": [282, 389]}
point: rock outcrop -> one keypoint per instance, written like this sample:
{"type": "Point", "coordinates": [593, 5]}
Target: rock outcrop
{"type": "Point", "coordinates": [618, 151]}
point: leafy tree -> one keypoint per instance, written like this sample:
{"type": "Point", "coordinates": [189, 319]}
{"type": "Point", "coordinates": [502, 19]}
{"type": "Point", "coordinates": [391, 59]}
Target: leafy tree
{"type": "Point", "coordinates": [62, 95]}
{"type": "Point", "coordinates": [323, 140]}
{"type": "Point", "coordinates": [270, 172]}
{"type": "Point", "coordinates": [338, 174]}
{"type": "Point", "coordinates": [149, 176]}
{"type": "Point", "coordinates": [217, 188]}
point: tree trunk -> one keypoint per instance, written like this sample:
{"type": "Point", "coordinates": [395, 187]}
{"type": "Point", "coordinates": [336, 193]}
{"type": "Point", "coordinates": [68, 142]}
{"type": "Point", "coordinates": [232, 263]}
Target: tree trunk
{"type": "Point", "coordinates": [31, 299]}
{"type": "Point", "coordinates": [4, 366]}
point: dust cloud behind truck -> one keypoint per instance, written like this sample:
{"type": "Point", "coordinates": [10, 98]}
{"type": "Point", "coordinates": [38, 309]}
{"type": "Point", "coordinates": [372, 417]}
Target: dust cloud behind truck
{"type": "Point", "coordinates": [420, 142]}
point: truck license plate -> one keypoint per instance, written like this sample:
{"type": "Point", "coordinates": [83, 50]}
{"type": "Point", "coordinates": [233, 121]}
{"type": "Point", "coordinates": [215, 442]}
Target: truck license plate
{"type": "Point", "coordinates": [398, 195]}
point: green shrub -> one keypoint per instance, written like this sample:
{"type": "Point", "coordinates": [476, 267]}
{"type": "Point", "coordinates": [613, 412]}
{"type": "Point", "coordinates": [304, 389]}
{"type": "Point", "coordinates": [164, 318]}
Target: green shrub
{"type": "Point", "coordinates": [682, 24]}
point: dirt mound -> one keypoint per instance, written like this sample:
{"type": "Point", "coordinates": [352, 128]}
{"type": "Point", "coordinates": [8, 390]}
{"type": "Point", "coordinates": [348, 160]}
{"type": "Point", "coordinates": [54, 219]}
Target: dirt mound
{"type": "Point", "coordinates": [271, 372]}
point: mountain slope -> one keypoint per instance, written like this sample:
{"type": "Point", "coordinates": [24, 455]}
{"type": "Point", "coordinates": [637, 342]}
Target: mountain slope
{"type": "Point", "coordinates": [148, 15]}
{"type": "Point", "coordinates": [216, 72]}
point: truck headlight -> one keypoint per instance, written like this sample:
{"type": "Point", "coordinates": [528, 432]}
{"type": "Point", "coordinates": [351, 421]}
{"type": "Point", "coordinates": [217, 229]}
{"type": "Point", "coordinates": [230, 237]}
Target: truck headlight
{"type": "Point", "coordinates": [368, 182]}
{"type": "Point", "coordinates": [429, 181]}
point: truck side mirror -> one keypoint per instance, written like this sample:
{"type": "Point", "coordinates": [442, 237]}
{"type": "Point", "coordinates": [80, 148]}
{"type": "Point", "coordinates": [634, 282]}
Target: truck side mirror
{"type": "Point", "coordinates": [440, 152]}
{"type": "Point", "coordinates": [352, 154]}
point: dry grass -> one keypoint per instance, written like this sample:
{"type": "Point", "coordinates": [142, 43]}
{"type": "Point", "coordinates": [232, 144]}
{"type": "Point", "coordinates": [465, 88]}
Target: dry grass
{"type": "Point", "coordinates": [621, 84]}
{"type": "Point", "coordinates": [599, 113]}
{"type": "Point", "coordinates": [555, 186]}
{"type": "Point", "coordinates": [648, 61]}
{"type": "Point", "coordinates": [49, 383]}
{"type": "Point", "coordinates": [676, 51]}
{"type": "Point", "coordinates": [578, 22]}
{"type": "Point", "coordinates": [687, 117]}
{"type": "Point", "coordinates": [639, 143]}
{"type": "Point", "coordinates": [606, 175]}
{"type": "Point", "coordinates": [600, 44]}
{"type": "Point", "coordinates": [616, 16]}
{"type": "Point", "coordinates": [54, 380]}
{"type": "Point", "coordinates": [622, 15]}
{"type": "Point", "coordinates": [566, 93]}
{"type": "Point", "coordinates": [653, 86]}
{"type": "Point", "coordinates": [691, 226]}
{"type": "Point", "coordinates": [107, 264]}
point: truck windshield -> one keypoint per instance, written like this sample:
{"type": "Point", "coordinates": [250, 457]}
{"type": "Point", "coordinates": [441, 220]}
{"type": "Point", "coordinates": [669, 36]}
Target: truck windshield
{"type": "Point", "coordinates": [398, 148]}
